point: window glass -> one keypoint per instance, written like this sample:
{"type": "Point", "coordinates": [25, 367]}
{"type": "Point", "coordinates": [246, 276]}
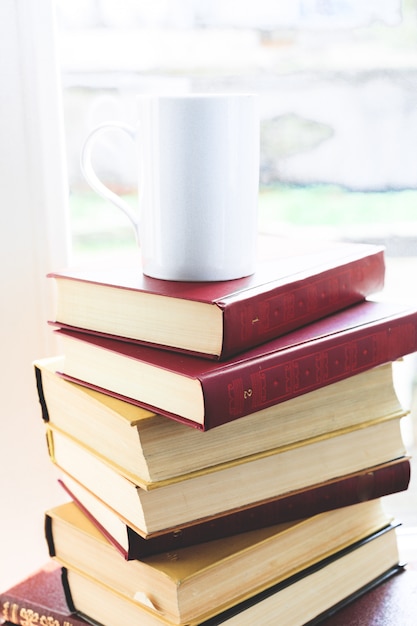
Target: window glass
{"type": "Point", "coordinates": [336, 81]}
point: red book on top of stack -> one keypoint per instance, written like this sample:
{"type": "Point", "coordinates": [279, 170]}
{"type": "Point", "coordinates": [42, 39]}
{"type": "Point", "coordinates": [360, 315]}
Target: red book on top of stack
{"type": "Point", "coordinates": [297, 283]}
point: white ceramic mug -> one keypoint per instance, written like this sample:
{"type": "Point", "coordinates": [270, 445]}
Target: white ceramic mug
{"type": "Point", "coordinates": [198, 184]}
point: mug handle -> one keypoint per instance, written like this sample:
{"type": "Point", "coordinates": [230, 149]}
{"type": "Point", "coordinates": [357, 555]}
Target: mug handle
{"type": "Point", "coordinates": [92, 178]}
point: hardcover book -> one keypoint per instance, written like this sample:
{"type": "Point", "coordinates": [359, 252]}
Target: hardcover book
{"type": "Point", "coordinates": [206, 394]}
{"type": "Point", "coordinates": [153, 448]}
{"type": "Point", "coordinates": [391, 602]}
{"type": "Point", "coordinates": [165, 506]}
{"type": "Point", "coordinates": [297, 599]}
{"type": "Point", "coordinates": [192, 583]}
{"type": "Point", "coordinates": [39, 599]}
{"type": "Point", "coordinates": [376, 482]}
{"type": "Point", "coordinates": [326, 589]}
{"type": "Point", "coordinates": [300, 284]}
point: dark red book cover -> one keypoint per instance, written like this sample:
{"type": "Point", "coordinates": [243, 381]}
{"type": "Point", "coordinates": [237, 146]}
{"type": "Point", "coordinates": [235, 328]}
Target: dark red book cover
{"type": "Point", "coordinates": [300, 284]}
{"type": "Point", "coordinates": [337, 347]}
{"type": "Point", "coordinates": [39, 599]}
{"type": "Point", "coordinates": [373, 483]}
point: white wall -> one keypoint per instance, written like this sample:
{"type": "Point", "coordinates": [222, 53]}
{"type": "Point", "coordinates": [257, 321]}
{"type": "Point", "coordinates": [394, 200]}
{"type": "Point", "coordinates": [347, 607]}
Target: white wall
{"type": "Point", "coordinates": [33, 240]}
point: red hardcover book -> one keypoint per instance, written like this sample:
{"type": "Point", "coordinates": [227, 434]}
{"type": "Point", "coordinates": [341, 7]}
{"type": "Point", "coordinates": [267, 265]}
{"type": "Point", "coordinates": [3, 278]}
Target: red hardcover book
{"type": "Point", "coordinates": [369, 484]}
{"type": "Point", "coordinates": [206, 394]}
{"type": "Point", "coordinates": [302, 283]}
{"type": "Point", "coordinates": [39, 599]}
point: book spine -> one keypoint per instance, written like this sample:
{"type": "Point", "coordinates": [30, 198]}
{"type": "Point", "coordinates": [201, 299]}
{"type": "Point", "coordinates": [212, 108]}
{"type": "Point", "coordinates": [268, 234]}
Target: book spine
{"type": "Point", "coordinates": [258, 319]}
{"type": "Point", "coordinates": [25, 613]}
{"type": "Point", "coordinates": [48, 535]}
{"type": "Point", "coordinates": [250, 386]}
{"type": "Point", "coordinates": [69, 600]}
{"type": "Point", "coordinates": [66, 587]}
{"type": "Point", "coordinates": [41, 395]}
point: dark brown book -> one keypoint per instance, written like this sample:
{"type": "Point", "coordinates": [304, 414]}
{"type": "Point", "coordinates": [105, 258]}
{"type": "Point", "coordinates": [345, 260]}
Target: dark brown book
{"type": "Point", "coordinates": [297, 285]}
{"type": "Point", "coordinates": [344, 491]}
{"type": "Point", "coordinates": [38, 600]}
{"type": "Point", "coordinates": [205, 394]}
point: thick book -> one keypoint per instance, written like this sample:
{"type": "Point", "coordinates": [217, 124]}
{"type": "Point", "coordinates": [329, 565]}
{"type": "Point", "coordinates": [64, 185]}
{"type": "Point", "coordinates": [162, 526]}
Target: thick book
{"type": "Point", "coordinates": [39, 600]}
{"type": "Point", "coordinates": [304, 281]}
{"type": "Point", "coordinates": [297, 599]}
{"type": "Point", "coordinates": [192, 583]}
{"type": "Point", "coordinates": [391, 602]}
{"type": "Point", "coordinates": [326, 589]}
{"type": "Point", "coordinates": [381, 480]}
{"type": "Point", "coordinates": [230, 487]}
{"type": "Point", "coordinates": [152, 448]}
{"type": "Point", "coordinates": [206, 394]}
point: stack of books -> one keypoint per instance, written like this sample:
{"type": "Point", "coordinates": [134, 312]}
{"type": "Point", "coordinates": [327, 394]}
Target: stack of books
{"type": "Point", "coordinates": [226, 446]}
